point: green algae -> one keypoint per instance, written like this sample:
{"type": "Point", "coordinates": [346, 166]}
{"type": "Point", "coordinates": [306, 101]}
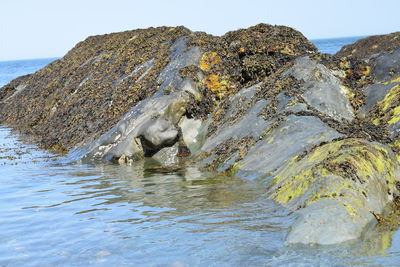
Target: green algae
{"type": "Point", "coordinates": [387, 111]}
{"type": "Point", "coordinates": [340, 170]}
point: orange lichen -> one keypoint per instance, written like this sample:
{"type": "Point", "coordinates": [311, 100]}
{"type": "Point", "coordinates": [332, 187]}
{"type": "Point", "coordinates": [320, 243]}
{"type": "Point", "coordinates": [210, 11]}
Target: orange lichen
{"type": "Point", "coordinates": [218, 85]}
{"type": "Point", "coordinates": [208, 60]}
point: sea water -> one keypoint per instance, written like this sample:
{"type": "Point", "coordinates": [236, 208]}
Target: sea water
{"type": "Point", "coordinates": [331, 46]}
{"type": "Point", "coordinates": [57, 214]}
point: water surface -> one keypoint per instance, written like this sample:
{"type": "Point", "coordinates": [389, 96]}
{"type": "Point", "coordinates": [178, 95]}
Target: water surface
{"type": "Point", "coordinates": [150, 215]}
{"type": "Point", "coordinates": [333, 45]}
{"type": "Point", "coordinates": [10, 70]}
{"type": "Point", "coordinates": [53, 213]}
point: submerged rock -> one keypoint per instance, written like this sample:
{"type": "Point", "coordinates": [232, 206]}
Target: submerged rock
{"type": "Point", "coordinates": [321, 133]}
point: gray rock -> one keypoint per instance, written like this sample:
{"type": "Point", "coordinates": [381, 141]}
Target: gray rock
{"type": "Point", "coordinates": [152, 119]}
{"type": "Point", "coordinates": [335, 188]}
{"type": "Point", "coordinates": [331, 189]}
{"type": "Point", "coordinates": [158, 132]}
{"type": "Point", "coordinates": [193, 133]}
{"type": "Point", "coordinates": [375, 93]}
{"type": "Point", "coordinates": [283, 101]}
{"type": "Point", "coordinates": [290, 104]}
{"type": "Point", "coordinates": [249, 124]}
{"type": "Point", "coordinates": [385, 66]}
{"type": "Point", "coordinates": [323, 90]}
{"type": "Point", "coordinates": [169, 78]}
{"type": "Point", "coordinates": [146, 120]}
{"type": "Point", "coordinates": [326, 222]}
{"type": "Point", "coordinates": [290, 138]}
{"type": "Point", "coordinates": [167, 155]}
{"type": "Point", "coordinates": [297, 107]}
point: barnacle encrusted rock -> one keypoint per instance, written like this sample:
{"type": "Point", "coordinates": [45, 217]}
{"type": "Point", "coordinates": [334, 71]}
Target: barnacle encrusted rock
{"type": "Point", "coordinates": [320, 132]}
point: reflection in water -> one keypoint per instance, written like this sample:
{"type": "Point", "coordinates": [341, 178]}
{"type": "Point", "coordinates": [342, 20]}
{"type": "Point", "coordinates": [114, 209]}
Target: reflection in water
{"type": "Point", "coordinates": [146, 214]}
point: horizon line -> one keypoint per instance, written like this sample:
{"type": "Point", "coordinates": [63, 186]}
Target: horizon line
{"type": "Point", "coordinates": [58, 57]}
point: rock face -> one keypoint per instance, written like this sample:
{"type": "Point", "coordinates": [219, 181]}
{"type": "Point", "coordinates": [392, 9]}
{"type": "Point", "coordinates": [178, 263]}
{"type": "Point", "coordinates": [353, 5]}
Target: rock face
{"type": "Point", "coordinates": [321, 133]}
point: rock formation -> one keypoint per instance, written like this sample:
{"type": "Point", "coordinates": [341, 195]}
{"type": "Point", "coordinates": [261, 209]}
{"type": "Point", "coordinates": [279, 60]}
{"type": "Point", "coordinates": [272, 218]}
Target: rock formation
{"type": "Point", "coordinates": [371, 45]}
{"type": "Point", "coordinates": [321, 132]}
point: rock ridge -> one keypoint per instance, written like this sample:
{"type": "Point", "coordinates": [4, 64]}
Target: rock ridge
{"type": "Point", "coordinates": [320, 132]}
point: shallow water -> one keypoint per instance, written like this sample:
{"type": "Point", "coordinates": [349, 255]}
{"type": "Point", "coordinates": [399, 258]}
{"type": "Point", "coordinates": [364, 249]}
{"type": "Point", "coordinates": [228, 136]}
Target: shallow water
{"type": "Point", "coordinates": [148, 215]}
{"type": "Point", "coordinates": [54, 213]}
{"type": "Point", "coordinates": [143, 214]}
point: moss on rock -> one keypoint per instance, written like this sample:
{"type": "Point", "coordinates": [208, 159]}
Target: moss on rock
{"type": "Point", "coordinates": [350, 171]}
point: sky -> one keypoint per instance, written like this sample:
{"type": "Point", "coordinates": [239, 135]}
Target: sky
{"type": "Point", "coordinates": [49, 28]}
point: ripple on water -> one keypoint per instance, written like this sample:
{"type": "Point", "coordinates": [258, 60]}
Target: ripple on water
{"type": "Point", "coordinates": [104, 214]}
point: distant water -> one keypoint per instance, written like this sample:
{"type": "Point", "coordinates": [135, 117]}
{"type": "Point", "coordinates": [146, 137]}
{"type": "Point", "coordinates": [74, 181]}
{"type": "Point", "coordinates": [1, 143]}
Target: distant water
{"type": "Point", "coordinates": [56, 214]}
{"type": "Point", "coordinates": [333, 45]}
{"type": "Point", "coordinates": [10, 70]}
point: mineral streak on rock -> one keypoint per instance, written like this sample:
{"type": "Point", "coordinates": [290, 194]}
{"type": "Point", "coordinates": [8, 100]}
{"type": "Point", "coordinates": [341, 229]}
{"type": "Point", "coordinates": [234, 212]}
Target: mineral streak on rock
{"type": "Point", "coordinates": [321, 132]}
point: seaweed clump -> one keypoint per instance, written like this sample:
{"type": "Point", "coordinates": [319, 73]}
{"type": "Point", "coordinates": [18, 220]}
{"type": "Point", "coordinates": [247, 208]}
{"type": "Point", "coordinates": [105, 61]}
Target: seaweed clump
{"type": "Point", "coordinates": [370, 46]}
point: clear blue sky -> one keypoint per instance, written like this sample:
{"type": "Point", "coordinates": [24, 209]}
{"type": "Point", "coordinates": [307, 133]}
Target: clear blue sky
{"type": "Point", "coordinates": [49, 28]}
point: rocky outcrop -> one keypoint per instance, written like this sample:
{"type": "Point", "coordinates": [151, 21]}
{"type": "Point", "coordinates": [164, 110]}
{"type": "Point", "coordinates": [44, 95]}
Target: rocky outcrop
{"type": "Point", "coordinates": [318, 131]}
{"type": "Point", "coordinates": [371, 45]}
{"type": "Point", "coordinates": [84, 94]}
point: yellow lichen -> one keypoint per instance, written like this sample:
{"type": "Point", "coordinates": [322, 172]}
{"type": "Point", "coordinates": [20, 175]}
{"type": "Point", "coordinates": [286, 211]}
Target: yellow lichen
{"type": "Point", "coordinates": [344, 64]}
{"type": "Point", "coordinates": [293, 188]}
{"type": "Point", "coordinates": [348, 92]}
{"type": "Point", "coordinates": [208, 60]}
{"type": "Point", "coordinates": [391, 97]}
{"type": "Point", "coordinates": [389, 107]}
{"type": "Point", "coordinates": [270, 139]}
{"type": "Point", "coordinates": [366, 70]}
{"type": "Point", "coordinates": [395, 116]}
{"type": "Point", "coordinates": [350, 209]}
{"type": "Point", "coordinates": [395, 80]}
{"type": "Point", "coordinates": [376, 121]}
{"type": "Point", "coordinates": [334, 170]}
{"type": "Point", "coordinates": [292, 103]}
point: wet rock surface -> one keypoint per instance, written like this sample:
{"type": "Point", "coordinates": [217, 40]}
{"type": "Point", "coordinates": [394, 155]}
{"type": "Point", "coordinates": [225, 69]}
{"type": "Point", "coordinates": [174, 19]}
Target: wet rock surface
{"type": "Point", "coordinates": [320, 132]}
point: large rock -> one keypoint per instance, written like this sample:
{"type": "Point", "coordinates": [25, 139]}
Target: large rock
{"type": "Point", "coordinates": [319, 132]}
{"type": "Point", "coordinates": [335, 189]}
{"type": "Point", "coordinates": [84, 94]}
